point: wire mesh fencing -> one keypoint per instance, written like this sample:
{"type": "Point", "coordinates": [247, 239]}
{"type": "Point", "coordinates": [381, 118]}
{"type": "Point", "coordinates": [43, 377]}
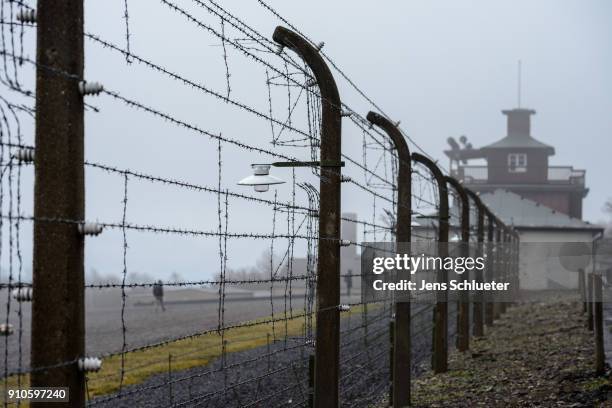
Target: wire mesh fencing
{"type": "Point", "coordinates": [198, 291]}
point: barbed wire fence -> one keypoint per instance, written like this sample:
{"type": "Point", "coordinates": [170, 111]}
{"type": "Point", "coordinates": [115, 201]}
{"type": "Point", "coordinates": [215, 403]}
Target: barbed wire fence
{"type": "Point", "coordinates": [475, 310]}
{"type": "Point", "coordinates": [11, 133]}
{"type": "Point", "coordinates": [238, 334]}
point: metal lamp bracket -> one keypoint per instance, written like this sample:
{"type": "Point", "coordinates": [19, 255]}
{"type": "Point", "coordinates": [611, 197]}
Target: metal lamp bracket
{"type": "Point", "coordinates": [323, 163]}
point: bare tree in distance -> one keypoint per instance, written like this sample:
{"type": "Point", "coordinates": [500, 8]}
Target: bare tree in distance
{"type": "Point", "coordinates": [265, 266]}
{"type": "Point", "coordinates": [608, 209]}
{"type": "Point", "coordinates": [139, 277]}
{"type": "Point", "coordinates": [608, 206]}
{"type": "Point", "coordinates": [389, 220]}
{"type": "Point", "coordinates": [94, 277]}
{"type": "Point", "coordinates": [176, 277]}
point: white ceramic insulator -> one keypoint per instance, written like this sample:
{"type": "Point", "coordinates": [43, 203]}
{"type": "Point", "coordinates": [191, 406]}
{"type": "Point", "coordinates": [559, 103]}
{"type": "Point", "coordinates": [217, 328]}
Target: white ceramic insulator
{"type": "Point", "coordinates": [24, 155]}
{"type": "Point", "coordinates": [345, 242]}
{"type": "Point", "coordinates": [90, 364]}
{"type": "Point", "coordinates": [344, 308]}
{"type": "Point", "coordinates": [320, 46]}
{"type": "Point", "coordinates": [90, 228]}
{"type": "Point", "coordinates": [22, 294]}
{"type": "Point", "coordinates": [311, 82]}
{"type": "Point", "coordinates": [90, 88]}
{"type": "Point", "coordinates": [6, 329]}
{"type": "Point", "coordinates": [26, 16]}
{"type": "Point", "coordinates": [280, 49]}
{"type": "Point", "coordinates": [345, 179]}
{"type": "Point", "coordinates": [315, 143]}
{"type": "Point", "coordinates": [346, 113]}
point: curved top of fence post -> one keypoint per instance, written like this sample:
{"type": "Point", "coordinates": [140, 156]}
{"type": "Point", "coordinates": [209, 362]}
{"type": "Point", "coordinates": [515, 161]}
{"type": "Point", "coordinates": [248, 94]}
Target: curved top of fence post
{"type": "Point", "coordinates": [331, 127]}
{"type": "Point", "coordinates": [490, 224]}
{"type": "Point", "coordinates": [404, 202]}
{"type": "Point", "coordinates": [330, 98]}
{"type": "Point", "coordinates": [500, 228]}
{"type": "Point", "coordinates": [442, 192]}
{"type": "Point", "coordinates": [481, 213]}
{"type": "Point", "coordinates": [393, 132]}
{"type": "Point", "coordinates": [465, 207]}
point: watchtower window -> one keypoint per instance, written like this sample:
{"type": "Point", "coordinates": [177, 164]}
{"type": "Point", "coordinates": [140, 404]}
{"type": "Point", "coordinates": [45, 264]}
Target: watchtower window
{"type": "Point", "coordinates": [517, 163]}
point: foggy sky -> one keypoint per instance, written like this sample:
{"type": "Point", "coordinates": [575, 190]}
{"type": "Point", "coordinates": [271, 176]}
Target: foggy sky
{"type": "Point", "coordinates": [444, 68]}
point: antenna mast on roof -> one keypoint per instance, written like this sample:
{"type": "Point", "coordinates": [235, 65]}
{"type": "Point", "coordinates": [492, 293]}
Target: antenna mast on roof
{"type": "Point", "coordinates": [519, 84]}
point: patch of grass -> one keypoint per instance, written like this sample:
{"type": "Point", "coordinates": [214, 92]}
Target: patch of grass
{"type": "Point", "coordinates": [189, 353]}
{"type": "Point", "coordinates": [595, 384]}
{"type": "Point", "coordinates": [460, 373]}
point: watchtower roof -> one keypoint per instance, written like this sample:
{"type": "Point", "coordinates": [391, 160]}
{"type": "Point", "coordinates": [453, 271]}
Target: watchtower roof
{"type": "Point", "coordinates": [519, 133]}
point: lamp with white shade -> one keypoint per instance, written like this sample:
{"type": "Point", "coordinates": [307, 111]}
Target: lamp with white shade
{"type": "Point", "coordinates": [261, 179]}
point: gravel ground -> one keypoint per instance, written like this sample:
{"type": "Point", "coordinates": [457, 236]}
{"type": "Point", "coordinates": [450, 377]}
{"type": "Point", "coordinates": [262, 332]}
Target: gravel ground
{"type": "Point", "coordinates": [537, 354]}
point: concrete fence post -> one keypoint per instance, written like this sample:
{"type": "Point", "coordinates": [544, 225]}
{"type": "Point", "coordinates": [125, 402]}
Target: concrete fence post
{"type": "Point", "coordinates": [478, 330]}
{"type": "Point", "coordinates": [311, 380]}
{"type": "Point", "coordinates": [490, 269]}
{"type": "Point", "coordinates": [589, 297]}
{"type": "Point", "coordinates": [327, 343]}
{"type": "Point", "coordinates": [582, 289]}
{"type": "Point", "coordinates": [391, 359]}
{"type": "Point", "coordinates": [58, 308]}
{"type": "Point", "coordinates": [440, 314]}
{"type": "Point", "coordinates": [600, 357]}
{"type": "Point", "coordinates": [402, 349]}
{"type": "Point", "coordinates": [463, 304]}
{"type": "Point", "coordinates": [499, 267]}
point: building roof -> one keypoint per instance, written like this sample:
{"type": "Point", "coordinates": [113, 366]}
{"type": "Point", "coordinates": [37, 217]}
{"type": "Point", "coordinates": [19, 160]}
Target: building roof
{"type": "Point", "coordinates": [519, 141]}
{"type": "Point", "coordinates": [521, 212]}
{"type": "Point", "coordinates": [519, 132]}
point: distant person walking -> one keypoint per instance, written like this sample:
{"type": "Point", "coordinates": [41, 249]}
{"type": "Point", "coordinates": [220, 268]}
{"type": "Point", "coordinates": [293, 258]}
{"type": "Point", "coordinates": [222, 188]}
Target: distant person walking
{"type": "Point", "coordinates": [349, 282]}
{"type": "Point", "coordinates": [158, 293]}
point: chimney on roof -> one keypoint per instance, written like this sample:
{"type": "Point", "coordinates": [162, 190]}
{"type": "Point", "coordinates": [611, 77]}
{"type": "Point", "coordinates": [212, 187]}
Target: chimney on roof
{"type": "Point", "coordinates": [519, 122]}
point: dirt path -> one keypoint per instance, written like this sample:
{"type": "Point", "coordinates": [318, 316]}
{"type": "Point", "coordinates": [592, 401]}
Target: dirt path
{"type": "Point", "coordinates": [537, 354]}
